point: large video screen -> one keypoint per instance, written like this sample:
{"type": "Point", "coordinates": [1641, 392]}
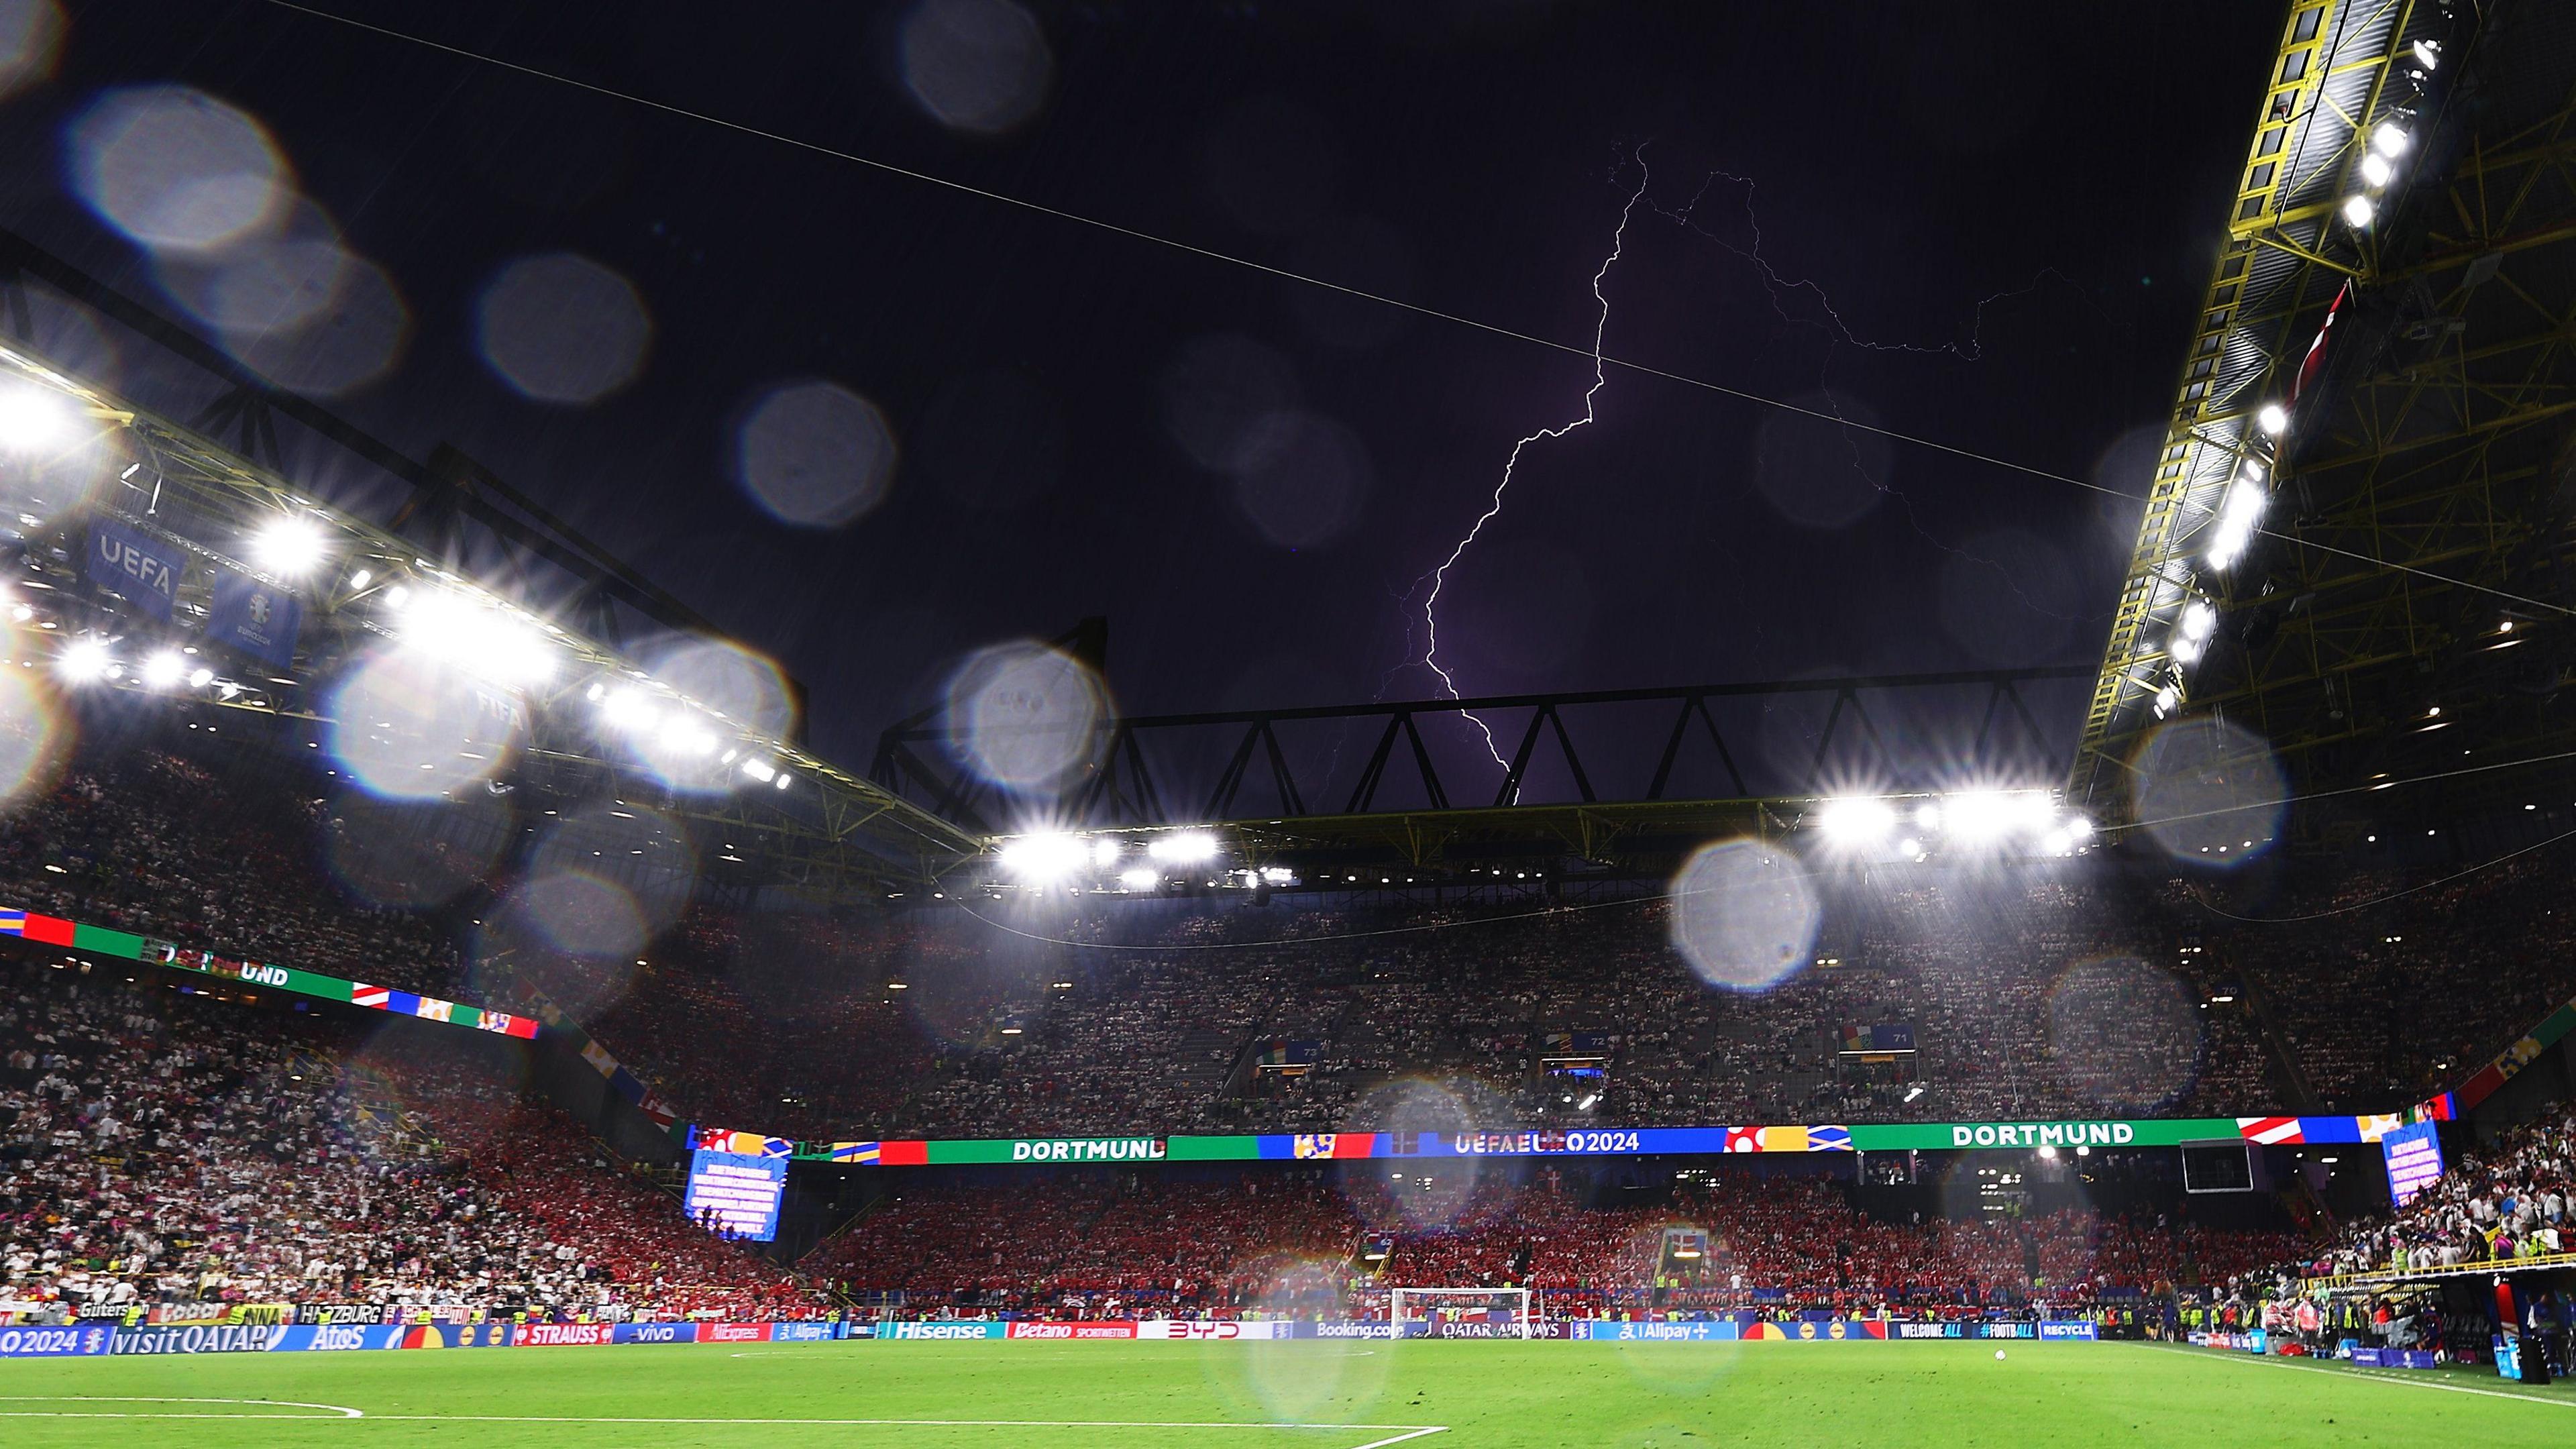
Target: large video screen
{"type": "Point", "coordinates": [2414, 1157]}
{"type": "Point", "coordinates": [736, 1194]}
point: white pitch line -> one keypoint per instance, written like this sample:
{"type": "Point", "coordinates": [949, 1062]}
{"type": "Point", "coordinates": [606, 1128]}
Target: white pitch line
{"type": "Point", "coordinates": [1400, 1438]}
{"type": "Point", "coordinates": [1411, 1431]}
{"type": "Point", "coordinates": [341, 1410]}
{"type": "Point", "coordinates": [2369, 1377]}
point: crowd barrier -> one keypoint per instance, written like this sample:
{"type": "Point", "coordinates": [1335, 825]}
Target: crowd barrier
{"type": "Point", "coordinates": [96, 1338]}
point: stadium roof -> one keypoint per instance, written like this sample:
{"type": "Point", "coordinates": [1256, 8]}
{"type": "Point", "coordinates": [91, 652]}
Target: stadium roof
{"type": "Point", "coordinates": [2395, 279]}
{"type": "Point", "coordinates": [88, 461]}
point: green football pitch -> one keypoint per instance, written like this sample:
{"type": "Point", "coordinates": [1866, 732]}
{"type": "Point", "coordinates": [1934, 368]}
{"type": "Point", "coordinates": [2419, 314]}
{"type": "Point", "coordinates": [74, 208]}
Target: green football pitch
{"type": "Point", "coordinates": [1286, 1395]}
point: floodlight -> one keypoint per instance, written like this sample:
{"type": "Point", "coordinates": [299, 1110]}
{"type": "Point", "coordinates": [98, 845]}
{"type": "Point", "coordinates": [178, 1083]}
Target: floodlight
{"type": "Point", "coordinates": [2198, 619]}
{"type": "Point", "coordinates": [165, 668]}
{"type": "Point", "coordinates": [83, 660]}
{"type": "Point", "coordinates": [474, 632]}
{"type": "Point", "coordinates": [2183, 648]}
{"type": "Point", "coordinates": [362, 578]}
{"type": "Point", "coordinates": [1105, 853]}
{"type": "Point", "coordinates": [2166, 699]}
{"type": "Point", "coordinates": [2358, 210]}
{"type": "Point", "coordinates": [200, 677]}
{"type": "Point", "coordinates": [2048, 1151]}
{"type": "Point", "coordinates": [629, 709]}
{"type": "Point", "coordinates": [31, 418]}
{"type": "Point", "coordinates": [760, 770]}
{"type": "Point", "coordinates": [1188, 847]}
{"type": "Point", "coordinates": [2428, 54]}
{"type": "Point", "coordinates": [1928, 815]}
{"type": "Point", "coordinates": [2376, 170]}
{"type": "Point", "coordinates": [2273, 418]}
{"type": "Point", "coordinates": [289, 546]}
{"type": "Point", "coordinates": [1858, 820]}
{"type": "Point", "coordinates": [1042, 857]}
{"type": "Point", "coordinates": [1977, 815]}
{"type": "Point", "coordinates": [2390, 139]}
{"type": "Point", "coordinates": [1139, 878]}
{"type": "Point", "coordinates": [782, 780]}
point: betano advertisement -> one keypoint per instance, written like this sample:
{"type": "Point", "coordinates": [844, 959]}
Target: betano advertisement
{"type": "Point", "coordinates": [98, 1338]}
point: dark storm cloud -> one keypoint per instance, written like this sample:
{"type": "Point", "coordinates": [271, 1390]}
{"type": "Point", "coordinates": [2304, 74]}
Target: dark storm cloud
{"type": "Point", "coordinates": [1023, 367]}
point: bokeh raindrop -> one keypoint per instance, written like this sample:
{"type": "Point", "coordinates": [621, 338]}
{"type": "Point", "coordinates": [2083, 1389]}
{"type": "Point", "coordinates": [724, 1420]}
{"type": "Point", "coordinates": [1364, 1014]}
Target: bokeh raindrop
{"type": "Point", "coordinates": [646, 856]}
{"type": "Point", "coordinates": [2123, 1036]}
{"type": "Point", "coordinates": [31, 36]}
{"type": "Point", "coordinates": [35, 735]}
{"type": "Point", "coordinates": [411, 727]}
{"type": "Point", "coordinates": [747, 689]}
{"type": "Point", "coordinates": [277, 281]}
{"type": "Point", "coordinates": [815, 454]}
{"type": "Point", "coordinates": [582, 915]}
{"type": "Point", "coordinates": [414, 853]}
{"type": "Point", "coordinates": [1023, 715]}
{"type": "Point", "coordinates": [1302, 479]}
{"type": "Point", "coordinates": [1744, 914]}
{"type": "Point", "coordinates": [172, 167]}
{"type": "Point", "coordinates": [2209, 792]}
{"type": "Point", "coordinates": [562, 328]}
{"type": "Point", "coordinates": [980, 66]}
{"type": "Point", "coordinates": [1217, 392]}
{"type": "Point", "coordinates": [353, 340]}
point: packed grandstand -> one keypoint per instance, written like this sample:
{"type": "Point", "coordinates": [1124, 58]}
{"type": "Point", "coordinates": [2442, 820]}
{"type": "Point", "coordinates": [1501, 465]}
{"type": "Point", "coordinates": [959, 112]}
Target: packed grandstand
{"type": "Point", "coordinates": [173, 1142]}
{"type": "Point", "coordinates": [421, 927]}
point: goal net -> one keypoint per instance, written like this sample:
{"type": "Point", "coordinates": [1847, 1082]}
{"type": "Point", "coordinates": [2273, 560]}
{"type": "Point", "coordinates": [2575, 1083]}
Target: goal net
{"type": "Point", "coordinates": [1460, 1312]}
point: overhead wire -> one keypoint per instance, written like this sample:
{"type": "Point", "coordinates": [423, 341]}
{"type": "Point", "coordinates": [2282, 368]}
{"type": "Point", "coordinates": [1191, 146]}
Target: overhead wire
{"type": "Point", "coordinates": [1286, 274]}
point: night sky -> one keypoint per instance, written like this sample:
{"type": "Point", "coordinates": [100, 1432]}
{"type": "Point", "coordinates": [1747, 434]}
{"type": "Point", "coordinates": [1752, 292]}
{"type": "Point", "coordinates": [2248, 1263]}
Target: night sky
{"type": "Point", "coordinates": [2010, 209]}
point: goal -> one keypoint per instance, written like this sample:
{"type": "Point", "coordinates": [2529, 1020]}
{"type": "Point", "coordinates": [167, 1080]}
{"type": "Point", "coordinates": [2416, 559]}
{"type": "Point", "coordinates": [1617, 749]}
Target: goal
{"type": "Point", "coordinates": [1460, 1312]}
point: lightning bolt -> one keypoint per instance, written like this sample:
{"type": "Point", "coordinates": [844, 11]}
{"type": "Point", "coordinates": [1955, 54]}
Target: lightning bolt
{"type": "Point", "coordinates": [1439, 577]}
{"type": "Point", "coordinates": [1840, 334]}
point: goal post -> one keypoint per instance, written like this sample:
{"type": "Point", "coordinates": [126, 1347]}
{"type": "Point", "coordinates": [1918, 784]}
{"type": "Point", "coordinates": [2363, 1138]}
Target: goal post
{"type": "Point", "coordinates": [1500, 1312]}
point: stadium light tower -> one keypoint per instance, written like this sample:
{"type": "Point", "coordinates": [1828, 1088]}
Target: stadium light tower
{"type": "Point", "coordinates": [1856, 822]}
{"type": "Point", "coordinates": [1044, 857]}
{"type": "Point", "coordinates": [289, 547]}
{"type": "Point", "coordinates": [1187, 847]}
{"type": "Point", "coordinates": [31, 418]}
{"type": "Point", "coordinates": [84, 661]}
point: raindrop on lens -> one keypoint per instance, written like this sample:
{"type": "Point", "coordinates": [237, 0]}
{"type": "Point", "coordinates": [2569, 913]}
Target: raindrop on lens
{"type": "Point", "coordinates": [1744, 914]}
{"type": "Point", "coordinates": [815, 455]}
{"type": "Point", "coordinates": [172, 167]}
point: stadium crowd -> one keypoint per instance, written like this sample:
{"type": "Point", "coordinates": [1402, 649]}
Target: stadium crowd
{"type": "Point", "coordinates": [1310, 1240]}
{"type": "Point", "coordinates": [161, 1146]}
{"type": "Point", "coordinates": [2060, 994]}
{"type": "Point", "coordinates": [2510, 1199]}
